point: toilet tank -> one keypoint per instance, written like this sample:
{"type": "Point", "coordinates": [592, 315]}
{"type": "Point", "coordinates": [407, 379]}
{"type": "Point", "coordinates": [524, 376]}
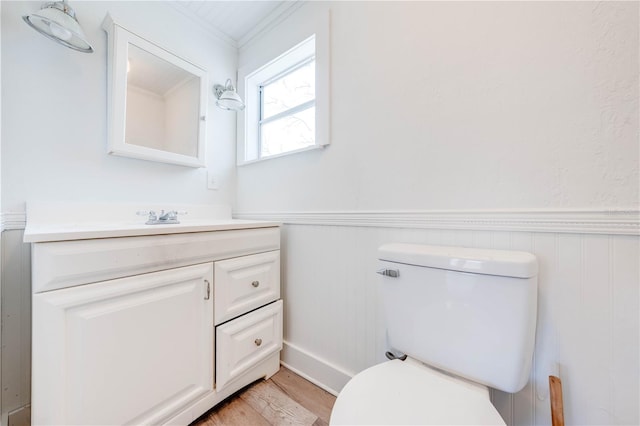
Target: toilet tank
{"type": "Point", "coordinates": [470, 312]}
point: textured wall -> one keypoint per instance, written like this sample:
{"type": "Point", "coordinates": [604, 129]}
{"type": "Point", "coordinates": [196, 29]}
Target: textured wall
{"type": "Point", "coordinates": [465, 105]}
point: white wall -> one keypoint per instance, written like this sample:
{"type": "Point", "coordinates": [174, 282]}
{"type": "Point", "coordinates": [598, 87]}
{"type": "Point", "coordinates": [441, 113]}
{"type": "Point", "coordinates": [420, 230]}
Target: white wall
{"type": "Point", "coordinates": [456, 105]}
{"type": "Point", "coordinates": [527, 111]}
{"type": "Point", "coordinates": [55, 112]}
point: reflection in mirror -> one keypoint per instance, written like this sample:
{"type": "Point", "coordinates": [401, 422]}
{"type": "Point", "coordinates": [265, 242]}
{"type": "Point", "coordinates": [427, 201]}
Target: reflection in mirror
{"type": "Point", "coordinates": [157, 101]}
{"type": "Point", "coordinates": [162, 104]}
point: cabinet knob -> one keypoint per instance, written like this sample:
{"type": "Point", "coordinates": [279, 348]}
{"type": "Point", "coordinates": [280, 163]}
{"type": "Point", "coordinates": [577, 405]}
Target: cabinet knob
{"type": "Point", "coordinates": [255, 283]}
{"type": "Point", "coordinates": [258, 342]}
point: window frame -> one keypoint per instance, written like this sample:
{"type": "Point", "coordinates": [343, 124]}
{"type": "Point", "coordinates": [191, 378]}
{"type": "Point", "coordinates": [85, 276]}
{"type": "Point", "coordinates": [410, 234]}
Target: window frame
{"type": "Point", "coordinates": [262, 64]}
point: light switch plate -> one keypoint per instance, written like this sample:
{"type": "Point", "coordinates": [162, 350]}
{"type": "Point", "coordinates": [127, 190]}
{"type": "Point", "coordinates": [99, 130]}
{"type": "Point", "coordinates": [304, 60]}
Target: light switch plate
{"type": "Point", "coordinates": [212, 181]}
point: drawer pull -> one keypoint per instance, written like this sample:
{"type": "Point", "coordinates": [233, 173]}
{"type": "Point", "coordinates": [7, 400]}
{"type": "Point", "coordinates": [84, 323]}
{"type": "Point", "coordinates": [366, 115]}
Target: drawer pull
{"type": "Point", "coordinates": [255, 283]}
{"type": "Point", "coordinates": [258, 342]}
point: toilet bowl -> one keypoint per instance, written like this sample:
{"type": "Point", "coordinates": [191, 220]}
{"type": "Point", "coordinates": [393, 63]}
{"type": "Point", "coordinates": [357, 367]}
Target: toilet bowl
{"type": "Point", "coordinates": [466, 319]}
{"type": "Point", "coordinates": [411, 393]}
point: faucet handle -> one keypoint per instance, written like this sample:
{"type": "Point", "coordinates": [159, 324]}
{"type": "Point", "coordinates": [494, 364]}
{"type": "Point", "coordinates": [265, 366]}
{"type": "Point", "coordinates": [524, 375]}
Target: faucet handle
{"type": "Point", "coordinates": [151, 213]}
{"type": "Point", "coordinates": [175, 213]}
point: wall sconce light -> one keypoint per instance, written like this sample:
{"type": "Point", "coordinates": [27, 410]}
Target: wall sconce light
{"type": "Point", "coordinates": [57, 21]}
{"type": "Point", "coordinates": [227, 97]}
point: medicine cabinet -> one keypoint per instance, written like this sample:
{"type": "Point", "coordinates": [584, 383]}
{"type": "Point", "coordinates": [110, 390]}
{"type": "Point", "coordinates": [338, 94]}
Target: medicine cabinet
{"type": "Point", "coordinates": [157, 101]}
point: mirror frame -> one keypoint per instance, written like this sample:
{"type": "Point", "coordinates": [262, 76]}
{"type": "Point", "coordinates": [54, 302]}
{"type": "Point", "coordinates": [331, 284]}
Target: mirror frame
{"type": "Point", "coordinates": [119, 39]}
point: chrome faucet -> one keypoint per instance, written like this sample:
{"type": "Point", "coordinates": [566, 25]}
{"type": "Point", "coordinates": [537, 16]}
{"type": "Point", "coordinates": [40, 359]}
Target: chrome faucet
{"type": "Point", "coordinates": [170, 217]}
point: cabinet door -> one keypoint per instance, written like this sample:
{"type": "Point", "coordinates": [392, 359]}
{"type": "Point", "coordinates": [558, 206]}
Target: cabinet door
{"type": "Point", "coordinates": [132, 350]}
{"type": "Point", "coordinates": [246, 283]}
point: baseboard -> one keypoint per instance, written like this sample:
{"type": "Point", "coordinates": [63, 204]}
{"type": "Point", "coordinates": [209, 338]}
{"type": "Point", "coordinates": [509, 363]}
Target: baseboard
{"type": "Point", "coordinates": [318, 371]}
{"type": "Point", "coordinates": [20, 417]}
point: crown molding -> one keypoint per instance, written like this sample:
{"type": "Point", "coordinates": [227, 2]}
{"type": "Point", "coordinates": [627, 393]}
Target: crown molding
{"type": "Point", "coordinates": [603, 221]}
{"type": "Point", "coordinates": [272, 20]}
{"type": "Point", "coordinates": [203, 24]}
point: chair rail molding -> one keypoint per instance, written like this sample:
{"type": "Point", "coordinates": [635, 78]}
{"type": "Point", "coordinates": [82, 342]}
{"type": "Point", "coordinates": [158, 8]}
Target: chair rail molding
{"type": "Point", "coordinates": [578, 221]}
{"type": "Point", "coordinates": [12, 220]}
{"type": "Point", "coordinates": [615, 221]}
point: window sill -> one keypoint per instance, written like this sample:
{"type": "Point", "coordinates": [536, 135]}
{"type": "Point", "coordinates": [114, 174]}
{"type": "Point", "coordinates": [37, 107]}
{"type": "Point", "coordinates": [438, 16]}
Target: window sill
{"type": "Point", "coordinates": [284, 154]}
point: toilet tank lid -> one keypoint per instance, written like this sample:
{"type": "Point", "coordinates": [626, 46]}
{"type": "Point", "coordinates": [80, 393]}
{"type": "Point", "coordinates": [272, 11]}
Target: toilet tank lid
{"type": "Point", "coordinates": [507, 263]}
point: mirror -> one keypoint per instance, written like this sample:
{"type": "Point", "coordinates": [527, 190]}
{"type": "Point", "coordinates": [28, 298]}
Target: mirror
{"type": "Point", "coordinates": [157, 101]}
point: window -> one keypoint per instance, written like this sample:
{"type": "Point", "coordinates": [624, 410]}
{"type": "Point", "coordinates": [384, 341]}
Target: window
{"type": "Point", "coordinates": [286, 104]}
{"type": "Point", "coordinates": [287, 110]}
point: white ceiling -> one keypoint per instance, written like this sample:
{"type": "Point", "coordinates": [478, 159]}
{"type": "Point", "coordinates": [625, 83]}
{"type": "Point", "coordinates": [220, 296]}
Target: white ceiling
{"type": "Point", "coordinates": [236, 20]}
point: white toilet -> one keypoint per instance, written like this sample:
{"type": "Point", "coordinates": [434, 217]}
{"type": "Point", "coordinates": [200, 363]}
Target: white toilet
{"type": "Point", "coordinates": [466, 320]}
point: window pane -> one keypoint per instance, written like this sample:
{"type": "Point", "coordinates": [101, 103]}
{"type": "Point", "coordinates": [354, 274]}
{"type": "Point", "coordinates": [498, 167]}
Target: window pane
{"type": "Point", "coordinates": [290, 90]}
{"type": "Point", "coordinates": [289, 133]}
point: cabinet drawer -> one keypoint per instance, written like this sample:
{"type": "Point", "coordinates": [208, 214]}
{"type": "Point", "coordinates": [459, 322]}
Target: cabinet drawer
{"type": "Point", "coordinates": [245, 341]}
{"type": "Point", "coordinates": [245, 283]}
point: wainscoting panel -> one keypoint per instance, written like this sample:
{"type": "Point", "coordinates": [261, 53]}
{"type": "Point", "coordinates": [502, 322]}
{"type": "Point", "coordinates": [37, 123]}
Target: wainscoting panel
{"type": "Point", "coordinates": [588, 321]}
{"type": "Point", "coordinates": [587, 313]}
{"type": "Point", "coordinates": [16, 323]}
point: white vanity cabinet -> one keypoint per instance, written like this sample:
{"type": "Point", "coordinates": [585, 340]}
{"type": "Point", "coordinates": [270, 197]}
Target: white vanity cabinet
{"type": "Point", "coordinates": [152, 329]}
{"type": "Point", "coordinates": [117, 348]}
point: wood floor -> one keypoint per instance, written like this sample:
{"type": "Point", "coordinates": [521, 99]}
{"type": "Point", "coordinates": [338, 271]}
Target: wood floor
{"type": "Point", "coordinates": [284, 399]}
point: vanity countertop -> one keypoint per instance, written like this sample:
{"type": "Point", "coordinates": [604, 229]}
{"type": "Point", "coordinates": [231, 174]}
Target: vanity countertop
{"type": "Point", "coordinates": [84, 231]}
{"type": "Point", "coordinates": [48, 222]}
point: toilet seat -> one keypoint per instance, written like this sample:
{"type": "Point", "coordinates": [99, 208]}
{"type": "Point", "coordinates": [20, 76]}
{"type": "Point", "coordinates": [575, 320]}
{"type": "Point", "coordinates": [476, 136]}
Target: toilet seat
{"type": "Point", "coordinates": [408, 392]}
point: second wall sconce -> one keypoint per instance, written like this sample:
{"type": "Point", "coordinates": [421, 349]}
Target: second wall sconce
{"type": "Point", "coordinates": [227, 97]}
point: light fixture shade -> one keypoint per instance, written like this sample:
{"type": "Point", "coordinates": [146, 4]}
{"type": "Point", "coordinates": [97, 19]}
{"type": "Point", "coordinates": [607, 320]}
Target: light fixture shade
{"type": "Point", "coordinates": [227, 97]}
{"type": "Point", "coordinates": [58, 22]}
{"type": "Point", "coordinates": [230, 100]}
